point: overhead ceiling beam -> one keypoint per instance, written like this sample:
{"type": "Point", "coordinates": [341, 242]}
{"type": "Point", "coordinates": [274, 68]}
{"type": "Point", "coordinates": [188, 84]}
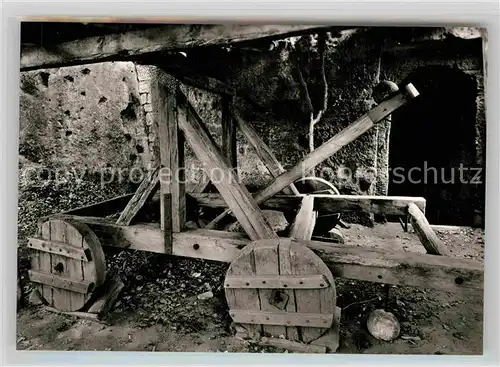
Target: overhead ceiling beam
{"type": "Point", "coordinates": [128, 45]}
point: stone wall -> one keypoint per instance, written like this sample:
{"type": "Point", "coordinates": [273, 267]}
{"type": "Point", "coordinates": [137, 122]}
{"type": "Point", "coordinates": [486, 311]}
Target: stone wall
{"type": "Point", "coordinates": [86, 117]}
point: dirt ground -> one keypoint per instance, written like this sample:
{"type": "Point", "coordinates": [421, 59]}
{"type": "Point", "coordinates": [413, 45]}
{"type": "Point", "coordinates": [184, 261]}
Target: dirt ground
{"type": "Point", "coordinates": [159, 309]}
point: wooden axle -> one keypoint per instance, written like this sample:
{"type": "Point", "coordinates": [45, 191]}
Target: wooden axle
{"type": "Point", "coordinates": [326, 204]}
{"type": "Point", "coordinates": [369, 264]}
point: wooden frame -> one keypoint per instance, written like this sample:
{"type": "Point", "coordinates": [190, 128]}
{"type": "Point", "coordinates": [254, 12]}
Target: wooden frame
{"type": "Point", "coordinates": [178, 120]}
{"type": "Point", "coordinates": [179, 123]}
{"type": "Point", "coordinates": [375, 265]}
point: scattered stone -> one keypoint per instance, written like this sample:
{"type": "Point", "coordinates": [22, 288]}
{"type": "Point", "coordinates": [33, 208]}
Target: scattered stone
{"type": "Point", "coordinates": [446, 327]}
{"type": "Point", "coordinates": [35, 298]}
{"type": "Point", "coordinates": [383, 325]}
{"type": "Point", "coordinates": [336, 235]}
{"type": "Point", "coordinates": [206, 295]}
{"type": "Point", "coordinates": [196, 275]}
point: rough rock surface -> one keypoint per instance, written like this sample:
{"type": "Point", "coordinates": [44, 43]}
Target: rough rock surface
{"type": "Point", "coordinates": [383, 325]}
{"type": "Point", "coordinates": [83, 117]}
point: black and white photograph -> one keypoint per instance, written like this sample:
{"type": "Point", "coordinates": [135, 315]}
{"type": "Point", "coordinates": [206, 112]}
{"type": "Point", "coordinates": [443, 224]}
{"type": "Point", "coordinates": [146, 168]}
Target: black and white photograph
{"type": "Point", "coordinates": [251, 187]}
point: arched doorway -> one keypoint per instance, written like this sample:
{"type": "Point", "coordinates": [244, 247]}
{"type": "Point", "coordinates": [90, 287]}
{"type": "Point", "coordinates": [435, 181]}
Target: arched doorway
{"type": "Point", "coordinates": [432, 144]}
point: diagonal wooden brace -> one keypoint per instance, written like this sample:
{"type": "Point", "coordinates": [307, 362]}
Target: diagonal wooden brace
{"type": "Point", "coordinates": [222, 176]}
{"type": "Point", "coordinates": [332, 146]}
{"type": "Point", "coordinates": [264, 153]}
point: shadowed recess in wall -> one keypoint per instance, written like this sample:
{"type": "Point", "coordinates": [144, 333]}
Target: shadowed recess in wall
{"type": "Point", "coordinates": [431, 139]}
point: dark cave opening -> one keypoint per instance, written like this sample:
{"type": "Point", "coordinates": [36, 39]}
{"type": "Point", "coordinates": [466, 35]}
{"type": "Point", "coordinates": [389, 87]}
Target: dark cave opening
{"type": "Point", "coordinates": [432, 145]}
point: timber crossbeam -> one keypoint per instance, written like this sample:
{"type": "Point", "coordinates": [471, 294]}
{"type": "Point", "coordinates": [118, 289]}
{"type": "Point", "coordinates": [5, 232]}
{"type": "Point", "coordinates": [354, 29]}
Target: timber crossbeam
{"type": "Point", "coordinates": [369, 264]}
{"type": "Point", "coordinates": [388, 205]}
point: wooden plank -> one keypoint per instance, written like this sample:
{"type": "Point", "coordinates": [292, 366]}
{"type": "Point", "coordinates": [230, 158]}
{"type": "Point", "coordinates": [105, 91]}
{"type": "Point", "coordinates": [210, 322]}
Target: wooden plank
{"type": "Point", "coordinates": [61, 296]}
{"type": "Point", "coordinates": [60, 282]}
{"type": "Point", "coordinates": [307, 300]}
{"type": "Point", "coordinates": [277, 281]}
{"type": "Point", "coordinates": [244, 298]}
{"type": "Point", "coordinates": [425, 233]}
{"type": "Point", "coordinates": [325, 151]}
{"type": "Point", "coordinates": [229, 133]}
{"type": "Point", "coordinates": [103, 208]}
{"type": "Point", "coordinates": [292, 346]}
{"type": "Point", "coordinates": [144, 192]}
{"type": "Point", "coordinates": [172, 180]}
{"type": "Point", "coordinates": [80, 270]}
{"type": "Point", "coordinates": [401, 268]}
{"type": "Point", "coordinates": [59, 248]}
{"type": "Point", "coordinates": [234, 193]}
{"type": "Point", "coordinates": [327, 204]}
{"type": "Point", "coordinates": [305, 220]}
{"type": "Point", "coordinates": [45, 261]}
{"type": "Point", "coordinates": [208, 244]}
{"type": "Point", "coordinates": [313, 320]}
{"type": "Point", "coordinates": [292, 333]}
{"type": "Point", "coordinates": [267, 263]}
{"type": "Point", "coordinates": [166, 222]}
{"type": "Point", "coordinates": [353, 262]}
{"type": "Point", "coordinates": [127, 45]}
{"type": "Point", "coordinates": [264, 152]}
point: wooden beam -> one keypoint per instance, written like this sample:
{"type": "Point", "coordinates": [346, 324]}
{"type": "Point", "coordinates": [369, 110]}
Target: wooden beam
{"type": "Point", "coordinates": [222, 176]}
{"type": "Point", "coordinates": [264, 153]}
{"type": "Point", "coordinates": [353, 262]}
{"type": "Point", "coordinates": [229, 132]}
{"type": "Point", "coordinates": [328, 204]}
{"type": "Point", "coordinates": [305, 220]}
{"type": "Point", "coordinates": [425, 233]}
{"type": "Point", "coordinates": [349, 134]}
{"type": "Point", "coordinates": [103, 208]}
{"type": "Point", "coordinates": [173, 37]}
{"type": "Point", "coordinates": [145, 191]}
{"type": "Point", "coordinates": [172, 174]}
{"type": "Point", "coordinates": [332, 146]}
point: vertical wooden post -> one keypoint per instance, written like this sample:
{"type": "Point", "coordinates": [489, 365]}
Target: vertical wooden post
{"type": "Point", "coordinates": [229, 132]}
{"type": "Point", "coordinates": [172, 174]}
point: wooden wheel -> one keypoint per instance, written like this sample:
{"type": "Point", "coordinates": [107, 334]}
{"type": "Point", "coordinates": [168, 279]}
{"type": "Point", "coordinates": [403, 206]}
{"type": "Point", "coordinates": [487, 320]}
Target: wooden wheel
{"type": "Point", "coordinates": [67, 263]}
{"type": "Point", "coordinates": [279, 287]}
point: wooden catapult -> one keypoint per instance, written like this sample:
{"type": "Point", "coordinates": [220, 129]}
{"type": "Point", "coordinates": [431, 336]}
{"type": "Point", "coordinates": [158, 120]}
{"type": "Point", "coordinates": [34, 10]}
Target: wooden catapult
{"type": "Point", "coordinates": [279, 289]}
